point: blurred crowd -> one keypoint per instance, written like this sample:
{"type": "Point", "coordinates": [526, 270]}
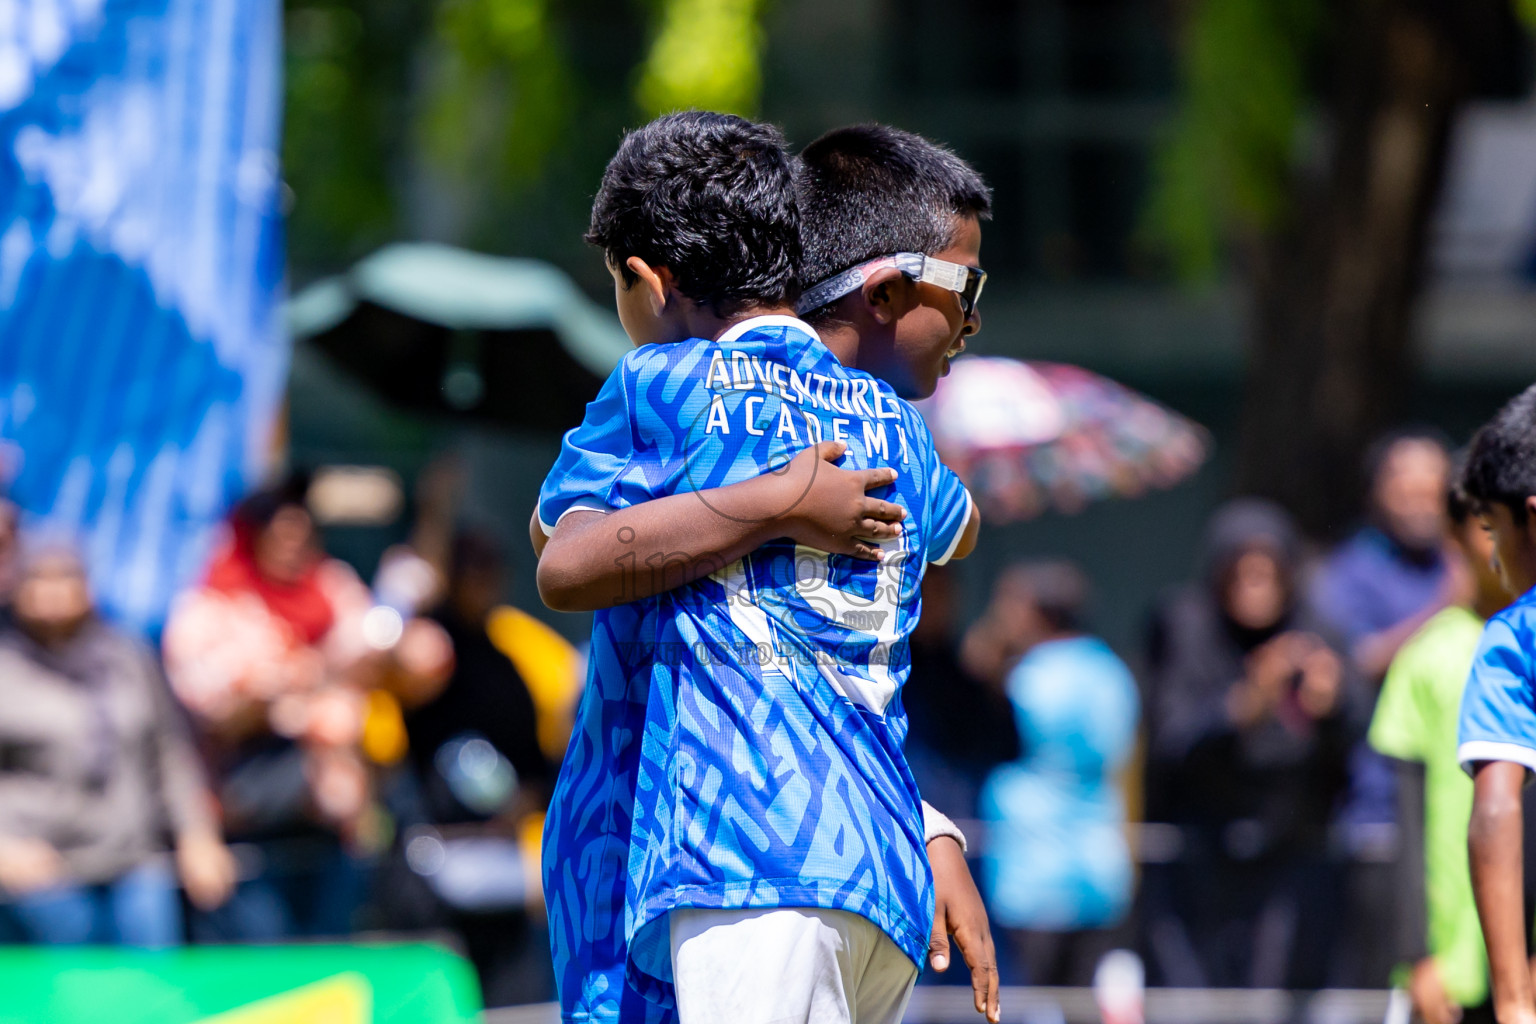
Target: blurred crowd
{"type": "Point", "coordinates": [1222, 800]}
{"type": "Point", "coordinates": [307, 754]}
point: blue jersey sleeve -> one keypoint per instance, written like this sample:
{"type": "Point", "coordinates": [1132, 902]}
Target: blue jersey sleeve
{"type": "Point", "coordinates": [1498, 708]}
{"type": "Point", "coordinates": [593, 456]}
{"type": "Point", "coordinates": [949, 510]}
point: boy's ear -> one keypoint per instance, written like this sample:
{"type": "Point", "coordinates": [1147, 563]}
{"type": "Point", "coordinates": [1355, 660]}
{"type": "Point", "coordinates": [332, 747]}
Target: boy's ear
{"type": "Point", "coordinates": [1530, 513]}
{"type": "Point", "coordinates": [657, 282]}
{"type": "Point", "coordinates": [887, 295]}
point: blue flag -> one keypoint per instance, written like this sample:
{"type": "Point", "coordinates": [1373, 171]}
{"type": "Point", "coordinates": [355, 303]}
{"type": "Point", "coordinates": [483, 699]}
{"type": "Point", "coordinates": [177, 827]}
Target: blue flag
{"type": "Point", "coordinates": [142, 355]}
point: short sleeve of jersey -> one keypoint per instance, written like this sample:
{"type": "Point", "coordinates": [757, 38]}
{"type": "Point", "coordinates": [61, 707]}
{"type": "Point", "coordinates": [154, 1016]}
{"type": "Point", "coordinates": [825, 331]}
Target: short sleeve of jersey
{"type": "Point", "coordinates": [1397, 727]}
{"type": "Point", "coordinates": [1498, 709]}
{"type": "Point", "coordinates": [949, 509]}
{"type": "Point", "coordinates": [593, 456]}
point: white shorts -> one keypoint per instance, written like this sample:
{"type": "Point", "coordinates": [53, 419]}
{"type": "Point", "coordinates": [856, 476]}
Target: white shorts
{"type": "Point", "coordinates": [786, 966]}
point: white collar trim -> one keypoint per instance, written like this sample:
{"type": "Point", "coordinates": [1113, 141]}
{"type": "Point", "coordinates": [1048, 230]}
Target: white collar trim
{"type": "Point", "coordinates": [767, 320]}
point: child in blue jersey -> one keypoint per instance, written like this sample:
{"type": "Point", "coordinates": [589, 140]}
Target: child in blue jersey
{"type": "Point", "coordinates": [1497, 741]}
{"type": "Point", "coordinates": [773, 808]}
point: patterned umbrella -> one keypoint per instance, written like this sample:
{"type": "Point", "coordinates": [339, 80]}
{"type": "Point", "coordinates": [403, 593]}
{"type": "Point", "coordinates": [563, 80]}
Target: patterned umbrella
{"type": "Point", "coordinates": [1028, 436]}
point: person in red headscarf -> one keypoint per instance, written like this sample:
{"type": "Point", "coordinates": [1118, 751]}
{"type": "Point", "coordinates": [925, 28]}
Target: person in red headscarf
{"type": "Point", "coordinates": [296, 678]}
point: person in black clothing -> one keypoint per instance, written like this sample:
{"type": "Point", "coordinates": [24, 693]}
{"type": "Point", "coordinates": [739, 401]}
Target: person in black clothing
{"type": "Point", "coordinates": [485, 697]}
{"type": "Point", "coordinates": [480, 779]}
{"type": "Point", "coordinates": [1251, 713]}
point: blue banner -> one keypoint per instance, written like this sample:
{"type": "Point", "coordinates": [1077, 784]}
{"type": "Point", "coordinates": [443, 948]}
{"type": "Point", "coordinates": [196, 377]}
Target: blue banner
{"type": "Point", "coordinates": [142, 355]}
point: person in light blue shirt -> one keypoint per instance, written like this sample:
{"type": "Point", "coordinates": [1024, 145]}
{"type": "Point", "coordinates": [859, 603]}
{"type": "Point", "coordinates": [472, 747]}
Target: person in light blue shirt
{"type": "Point", "coordinates": [1057, 870]}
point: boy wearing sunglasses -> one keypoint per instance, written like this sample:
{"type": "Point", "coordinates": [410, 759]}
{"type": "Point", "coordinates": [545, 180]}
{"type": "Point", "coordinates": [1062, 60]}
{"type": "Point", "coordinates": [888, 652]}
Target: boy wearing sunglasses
{"type": "Point", "coordinates": [891, 228]}
{"type": "Point", "coordinates": [773, 811]}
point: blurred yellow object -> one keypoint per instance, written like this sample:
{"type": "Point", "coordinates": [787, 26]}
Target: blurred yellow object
{"type": "Point", "coordinates": [343, 999]}
{"type": "Point", "coordinates": [384, 739]}
{"type": "Point", "coordinates": [550, 667]}
{"type": "Point", "coordinates": [530, 835]}
{"type": "Point", "coordinates": [530, 840]}
{"type": "Point", "coordinates": [706, 54]}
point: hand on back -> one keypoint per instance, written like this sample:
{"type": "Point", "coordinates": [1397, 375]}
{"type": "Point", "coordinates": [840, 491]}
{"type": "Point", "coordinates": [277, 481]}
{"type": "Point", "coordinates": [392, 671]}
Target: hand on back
{"type": "Point", "coordinates": [829, 508]}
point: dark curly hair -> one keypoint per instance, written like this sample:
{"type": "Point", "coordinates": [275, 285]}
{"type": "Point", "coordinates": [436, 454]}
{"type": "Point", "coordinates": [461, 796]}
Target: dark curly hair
{"type": "Point", "coordinates": [869, 190]}
{"type": "Point", "coordinates": [1501, 461]}
{"type": "Point", "coordinates": [711, 197]}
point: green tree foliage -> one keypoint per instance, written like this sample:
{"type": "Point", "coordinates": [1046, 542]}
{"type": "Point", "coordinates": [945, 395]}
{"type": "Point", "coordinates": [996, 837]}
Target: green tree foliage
{"type": "Point", "coordinates": [1226, 166]}
{"type": "Point", "coordinates": [499, 95]}
{"type": "Point", "coordinates": [706, 54]}
{"type": "Point", "coordinates": [506, 110]}
{"type": "Point", "coordinates": [1334, 230]}
{"type": "Point", "coordinates": [1226, 162]}
{"type": "Point", "coordinates": [345, 69]}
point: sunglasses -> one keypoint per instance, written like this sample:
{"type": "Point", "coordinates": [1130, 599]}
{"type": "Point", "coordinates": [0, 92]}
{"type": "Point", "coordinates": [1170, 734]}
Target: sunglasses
{"type": "Point", "coordinates": [966, 282]}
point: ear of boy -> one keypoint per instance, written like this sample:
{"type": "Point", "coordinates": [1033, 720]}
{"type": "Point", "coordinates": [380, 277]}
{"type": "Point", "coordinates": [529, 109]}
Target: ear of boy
{"type": "Point", "coordinates": [886, 297]}
{"type": "Point", "coordinates": [1514, 541]}
{"type": "Point", "coordinates": [649, 305]}
{"type": "Point", "coordinates": [656, 284]}
{"type": "Point", "coordinates": [862, 331]}
{"type": "Point", "coordinates": [654, 310]}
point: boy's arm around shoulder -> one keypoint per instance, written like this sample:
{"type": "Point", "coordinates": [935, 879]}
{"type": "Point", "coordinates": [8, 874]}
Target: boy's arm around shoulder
{"type": "Point", "coordinates": [596, 560]}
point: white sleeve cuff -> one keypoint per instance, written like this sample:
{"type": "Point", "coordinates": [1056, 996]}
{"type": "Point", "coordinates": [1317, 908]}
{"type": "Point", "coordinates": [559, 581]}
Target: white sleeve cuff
{"type": "Point", "coordinates": [1475, 751]}
{"type": "Point", "coordinates": [965, 521]}
{"type": "Point", "coordinates": [935, 825]}
{"type": "Point", "coordinates": [549, 530]}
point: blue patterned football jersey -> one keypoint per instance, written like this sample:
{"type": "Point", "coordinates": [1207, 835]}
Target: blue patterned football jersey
{"type": "Point", "coordinates": [1498, 707]}
{"type": "Point", "coordinates": [765, 698]}
{"type": "Point", "coordinates": [587, 829]}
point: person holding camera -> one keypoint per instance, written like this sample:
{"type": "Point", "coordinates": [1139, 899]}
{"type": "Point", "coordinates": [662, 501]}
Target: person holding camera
{"type": "Point", "coordinates": [1252, 714]}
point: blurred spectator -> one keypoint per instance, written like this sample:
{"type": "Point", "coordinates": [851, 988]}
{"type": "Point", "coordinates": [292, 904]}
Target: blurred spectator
{"type": "Point", "coordinates": [8, 543]}
{"type": "Point", "coordinates": [296, 677]}
{"type": "Point", "coordinates": [1375, 591]}
{"type": "Point", "coordinates": [483, 783]}
{"type": "Point", "coordinates": [1057, 871]}
{"type": "Point", "coordinates": [97, 771]}
{"type": "Point", "coordinates": [1416, 722]}
{"type": "Point", "coordinates": [485, 696]}
{"type": "Point", "coordinates": [1249, 710]}
{"type": "Point", "coordinates": [1385, 582]}
{"type": "Point", "coordinates": [551, 669]}
{"type": "Point", "coordinates": [960, 725]}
